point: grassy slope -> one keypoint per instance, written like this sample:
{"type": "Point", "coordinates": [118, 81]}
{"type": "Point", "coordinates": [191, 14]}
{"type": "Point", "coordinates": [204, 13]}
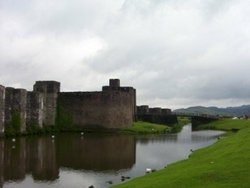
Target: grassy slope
{"type": "Point", "coordinates": [146, 128]}
{"type": "Point", "coordinates": [228, 124]}
{"type": "Point", "coordinates": [224, 164]}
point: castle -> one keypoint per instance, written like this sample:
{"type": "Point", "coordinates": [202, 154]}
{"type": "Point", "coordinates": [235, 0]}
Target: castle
{"type": "Point", "coordinates": [113, 107]}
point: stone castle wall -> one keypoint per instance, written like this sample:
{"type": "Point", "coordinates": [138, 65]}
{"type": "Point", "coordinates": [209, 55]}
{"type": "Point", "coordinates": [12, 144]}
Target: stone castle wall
{"type": "Point", "coordinates": [49, 91]}
{"type": "Point", "coordinates": [113, 107]}
{"type": "Point", "coordinates": [34, 109]}
{"type": "Point", "coordinates": [15, 108]}
{"type": "Point", "coordinates": [156, 115]}
{"type": "Point", "coordinates": [2, 105]}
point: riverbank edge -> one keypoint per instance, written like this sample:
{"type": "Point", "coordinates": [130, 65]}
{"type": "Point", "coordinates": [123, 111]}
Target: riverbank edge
{"type": "Point", "coordinates": [213, 170]}
{"type": "Point", "coordinates": [138, 128]}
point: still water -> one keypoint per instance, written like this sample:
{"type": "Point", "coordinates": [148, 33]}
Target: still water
{"type": "Point", "coordinates": [72, 160]}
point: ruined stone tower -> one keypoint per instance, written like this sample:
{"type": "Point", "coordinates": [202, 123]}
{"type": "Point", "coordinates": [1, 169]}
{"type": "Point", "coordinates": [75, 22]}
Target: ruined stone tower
{"type": "Point", "coordinates": [49, 91]}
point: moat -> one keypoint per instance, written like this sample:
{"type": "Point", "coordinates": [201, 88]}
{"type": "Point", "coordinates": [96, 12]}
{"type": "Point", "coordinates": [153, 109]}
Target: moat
{"type": "Point", "coordinates": [75, 160]}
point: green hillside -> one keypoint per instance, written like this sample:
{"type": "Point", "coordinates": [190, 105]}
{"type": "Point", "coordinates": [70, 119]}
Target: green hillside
{"type": "Point", "coordinates": [229, 111]}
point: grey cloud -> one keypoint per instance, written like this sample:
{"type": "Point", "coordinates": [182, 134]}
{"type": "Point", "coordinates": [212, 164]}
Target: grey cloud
{"type": "Point", "coordinates": [174, 52]}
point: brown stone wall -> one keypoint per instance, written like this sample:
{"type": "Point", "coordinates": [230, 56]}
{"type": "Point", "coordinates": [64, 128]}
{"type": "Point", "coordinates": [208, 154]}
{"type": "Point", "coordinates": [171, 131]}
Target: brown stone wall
{"type": "Point", "coordinates": [15, 107]}
{"type": "Point", "coordinates": [130, 90]}
{"type": "Point", "coordinates": [166, 111]}
{"type": "Point", "coordinates": [8, 105]}
{"type": "Point", "coordinates": [50, 90]}
{"type": "Point", "coordinates": [34, 109]}
{"type": "Point", "coordinates": [144, 109]}
{"type": "Point", "coordinates": [114, 83]}
{"type": "Point", "coordinates": [156, 115]}
{"type": "Point", "coordinates": [108, 109]}
{"type": "Point", "coordinates": [2, 104]}
{"type": "Point", "coordinates": [113, 107]}
{"type": "Point", "coordinates": [156, 111]}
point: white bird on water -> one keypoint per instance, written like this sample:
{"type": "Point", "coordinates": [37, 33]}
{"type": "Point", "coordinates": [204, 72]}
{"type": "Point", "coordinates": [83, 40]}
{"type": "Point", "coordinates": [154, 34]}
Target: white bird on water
{"type": "Point", "coordinates": [13, 139]}
{"type": "Point", "coordinates": [53, 136]}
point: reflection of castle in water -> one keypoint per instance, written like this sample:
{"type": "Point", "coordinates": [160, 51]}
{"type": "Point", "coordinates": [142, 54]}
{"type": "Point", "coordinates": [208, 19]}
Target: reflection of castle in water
{"type": "Point", "coordinates": [98, 153]}
{"type": "Point", "coordinates": [43, 156]}
{"type": "Point", "coordinates": [42, 159]}
{"type": "Point", "coordinates": [1, 163]}
{"type": "Point", "coordinates": [146, 139]}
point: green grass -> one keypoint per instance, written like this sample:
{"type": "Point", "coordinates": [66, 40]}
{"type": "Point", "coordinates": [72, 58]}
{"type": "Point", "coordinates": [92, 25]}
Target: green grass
{"type": "Point", "coordinates": [227, 124]}
{"type": "Point", "coordinates": [223, 164]}
{"type": "Point", "coordinates": [146, 128]}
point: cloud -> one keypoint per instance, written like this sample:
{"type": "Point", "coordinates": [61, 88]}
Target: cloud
{"type": "Point", "coordinates": [175, 53]}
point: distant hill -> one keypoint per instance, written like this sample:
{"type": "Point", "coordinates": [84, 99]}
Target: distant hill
{"type": "Point", "coordinates": [229, 111]}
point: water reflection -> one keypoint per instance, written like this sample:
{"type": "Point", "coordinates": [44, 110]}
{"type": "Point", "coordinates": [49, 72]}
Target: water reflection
{"type": "Point", "coordinates": [43, 156]}
{"type": "Point", "coordinates": [1, 163]}
{"type": "Point", "coordinates": [99, 153]}
{"type": "Point", "coordinates": [73, 160]}
{"type": "Point", "coordinates": [43, 159]}
{"type": "Point", "coordinates": [14, 159]}
{"type": "Point", "coordinates": [149, 139]}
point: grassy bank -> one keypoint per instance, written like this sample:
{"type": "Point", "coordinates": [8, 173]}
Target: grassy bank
{"type": "Point", "coordinates": [146, 128]}
{"type": "Point", "coordinates": [136, 128]}
{"type": "Point", "coordinates": [227, 124]}
{"type": "Point", "coordinates": [223, 164]}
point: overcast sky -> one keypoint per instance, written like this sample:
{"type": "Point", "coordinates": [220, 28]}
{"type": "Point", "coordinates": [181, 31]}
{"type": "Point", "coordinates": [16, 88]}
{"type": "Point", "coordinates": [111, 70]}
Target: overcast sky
{"type": "Point", "coordinates": [176, 53]}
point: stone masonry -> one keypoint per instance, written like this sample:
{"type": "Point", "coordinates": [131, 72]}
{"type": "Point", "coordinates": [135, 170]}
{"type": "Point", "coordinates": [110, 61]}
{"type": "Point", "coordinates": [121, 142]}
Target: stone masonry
{"type": "Point", "coordinates": [156, 115]}
{"type": "Point", "coordinates": [113, 107]}
{"type": "Point", "coordinates": [49, 90]}
{"type": "Point", "coordinates": [34, 109]}
{"type": "Point", "coordinates": [2, 104]}
{"type": "Point", "coordinates": [15, 108]}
